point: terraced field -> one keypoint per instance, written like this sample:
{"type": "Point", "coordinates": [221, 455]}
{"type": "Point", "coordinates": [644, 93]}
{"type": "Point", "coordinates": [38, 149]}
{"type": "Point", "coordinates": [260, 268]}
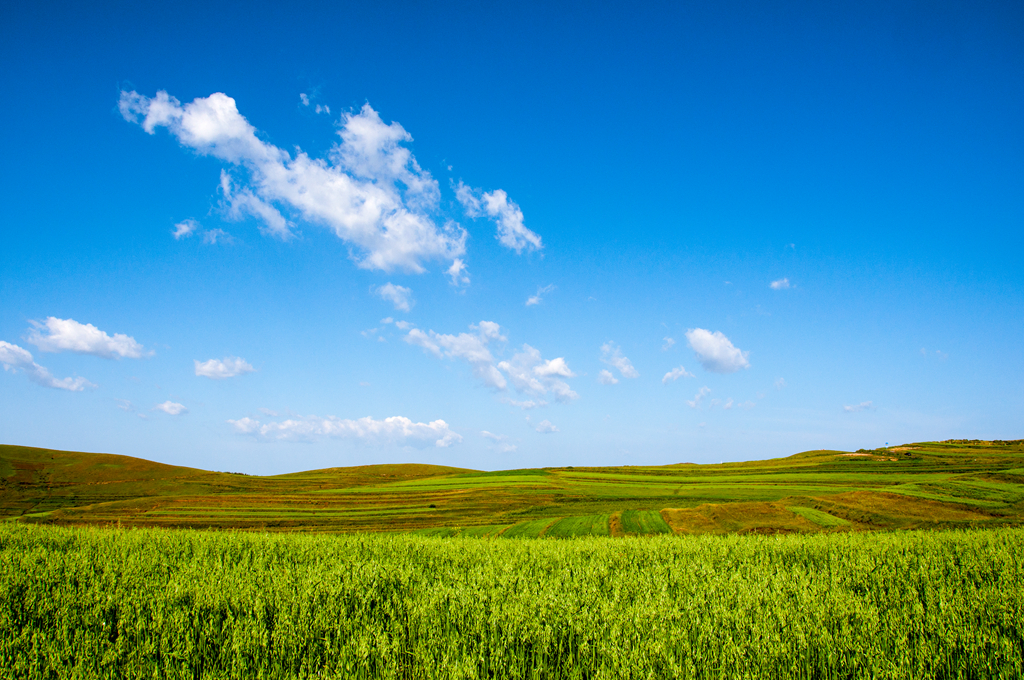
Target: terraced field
{"type": "Point", "coordinates": [924, 485]}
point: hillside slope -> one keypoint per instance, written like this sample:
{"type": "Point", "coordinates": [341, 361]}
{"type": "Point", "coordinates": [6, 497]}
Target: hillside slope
{"type": "Point", "coordinates": [924, 485]}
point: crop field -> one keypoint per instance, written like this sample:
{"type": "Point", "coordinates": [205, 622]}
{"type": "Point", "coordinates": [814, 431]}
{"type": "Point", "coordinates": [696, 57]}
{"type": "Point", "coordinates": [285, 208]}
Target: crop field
{"type": "Point", "coordinates": [953, 484]}
{"type": "Point", "coordinates": [90, 602]}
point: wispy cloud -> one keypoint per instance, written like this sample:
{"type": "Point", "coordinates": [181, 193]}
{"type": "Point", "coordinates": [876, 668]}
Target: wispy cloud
{"type": "Point", "coordinates": [699, 397]}
{"type": "Point", "coordinates": [667, 344]}
{"type": "Point", "coordinates": [184, 229]}
{"type": "Point", "coordinates": [67, 335]}
{"type": "Point", "coordinates": [612, 355]}
{"type": "Point", "coordinates": [512, 233]}
{"type": "Point", "coordinates": [396, 430]}
{"type": "Point", "coordinates": [399, 296]}
{"type": "Point", "coordinates": [15, 358]}
{"type": "Point", "coordinates": [539, 297]}
{"type": "Point", "coordinates": [606, 377]}
{"type": "Point", "coordinates": [675, 374]}
{"type": "Point", "coordinates": [501, 442]}
{"type": "Point", "coordinates": [716, 352]}
{"type": "Point", "coordinates": [780, 284]}
{"type": "Point", "coordinates": [862, 406]}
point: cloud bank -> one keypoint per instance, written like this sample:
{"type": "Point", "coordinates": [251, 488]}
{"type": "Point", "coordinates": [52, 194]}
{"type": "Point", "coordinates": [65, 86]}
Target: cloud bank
{"type": "Point", "coordinates": [396, 430]}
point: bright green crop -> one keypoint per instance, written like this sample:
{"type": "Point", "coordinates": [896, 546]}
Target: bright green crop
{"type": "Point", "coordinates": [95, 603]}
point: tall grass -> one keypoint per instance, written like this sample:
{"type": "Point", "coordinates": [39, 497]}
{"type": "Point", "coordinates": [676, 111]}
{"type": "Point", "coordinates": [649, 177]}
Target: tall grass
{"type": "Point", "coordinates": [93, 603]}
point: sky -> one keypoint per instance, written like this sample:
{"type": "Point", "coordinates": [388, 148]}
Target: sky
{"type": "Point", "coordinates": [269, 237]}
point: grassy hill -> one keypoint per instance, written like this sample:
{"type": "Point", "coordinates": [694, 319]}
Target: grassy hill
{"type": "Point", "coordinates": [924, 485]}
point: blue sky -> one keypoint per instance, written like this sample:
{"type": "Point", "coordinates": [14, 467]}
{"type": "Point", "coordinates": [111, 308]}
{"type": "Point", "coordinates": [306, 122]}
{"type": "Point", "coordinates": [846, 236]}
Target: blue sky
{"type": "Point", "coordinates": [263, 239]}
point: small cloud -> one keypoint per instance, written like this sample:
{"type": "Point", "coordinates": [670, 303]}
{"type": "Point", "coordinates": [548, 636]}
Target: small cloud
{"type": "Point", "coordinates": [781, 284]}
{"type": "Point", "coordinates": [699, 397]}
{"type": "Point", "coordinates": [862, 406]}
{"type": "Point", "coordinates": [747, 404]}
{"type": "Point", "coordinates": [364, 384]}
{"type": "Point", "coordinates": [667, 345]}
{"type": "Point", "coordinates": [605, 377]}
{"type": "Point", "coordinates": [184, 229]}
{"type": "Point", "coordinates": [545, 427]}
{"type": "Point", "coordinates": [213, 236]}
{"type": "Point", "coordinates": [218, 369]}
{"type": "Point", "coordinates": [457, 273]}
{"type": "Point", "coordinates": [611, 354]}
{"type": "Point", "coordinates": [728, 404]}
{"type": "Point", "coordinates": [539, 297]}
{"type": "Point", "coordinates": [304, 98]}
{"type": "Point", "coordinates": [369, 333]}
{"type": "Point", "coordinates": [676, 374]}
{"type": "Point", "coordinates": [780, 383]}
{"type": "Point", "coordinates": [402, 325]}
{"type": "Point", "coordinates": [399, 296]}
{"type": "Point", "coordinates": [512, 233]}
{"type": "Point", "coordinates": [716, 352]}
{"type": "Point", "coordinates": [267, 412]}
{"type": "Point", "coordinates": [387, 320]}
{"type": "Point", "coordinates": [124, 405]}
{"type": "Point", "coordinates": [171, 408]}
{"type": "Point", "coordinates": [792, 245]}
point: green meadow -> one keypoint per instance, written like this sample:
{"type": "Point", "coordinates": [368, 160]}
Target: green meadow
{"type": "Point", "coordinates": [952, 484]}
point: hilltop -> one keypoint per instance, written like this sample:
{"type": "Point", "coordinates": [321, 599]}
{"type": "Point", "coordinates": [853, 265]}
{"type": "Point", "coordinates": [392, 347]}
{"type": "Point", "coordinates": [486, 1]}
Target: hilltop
{"type": "Point", "coordinates": [956, 483]}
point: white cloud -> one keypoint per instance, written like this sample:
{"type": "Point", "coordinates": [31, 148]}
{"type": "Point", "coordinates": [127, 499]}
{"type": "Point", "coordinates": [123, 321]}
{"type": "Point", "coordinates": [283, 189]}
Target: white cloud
{"type": "Point", "coordinates": [402, 325]}
{"type": "Point", "coordinates": [716, 352]}
{"type": "Point", "coordinates": [531, 374]}
{"type": "Point", "coordinates": [501, 442]}
{"type": "Point", "coordinates": [699, 397]}
{"type": "Point", "coordinates": [68, 335]}
{"type": "Point", "coordinates": [457, 273]}
{"type": "Point", "coordinates": [527, 370]}
{"type": "Point", "coordinates": [171, 408]}
{"type": "Point", "coordinates": [605, 377]}
{"type": "Point", "coordinates": [218, 369]}
{"type": "Point", "coordinates": [781, 284]}
{"type": "Point", "coordinates": [780, 383]}
{"type": "Point", "coordinates": [862, 406]}
{"type": "Point", "coordinates": [124, 405]}
{"type": "Point", "coordinates": [472, 347]}
{"type": "Point", "coordinates": [512, 233]}
{"type": "Point", "coordinates": [728, 404]}
{"type": "Point", "coordinates": [369, 190]}
{"type": "Point", "coordinates": [267, 412]}
{"type": "Point", "coordinates": [612, 355]}
{"type": "Point", "coordinates": [399, 296]}
{"type": "Point", "coordinates": [676, 374]}
{"type": "Point", "coordinates": [14, 358]}
{"type": "Point", "coordinates": [395, 430]}
{"type": "Point", "coordinates": [546, 427]}
{"type": "Point", "coordinates": [539, 297]}
{"type": "Point", "coordinates": [667, 345]}
{"type": "Point", "coordinates": [387, 320]}
{"type": "Point", "coordinates": [184, 229]}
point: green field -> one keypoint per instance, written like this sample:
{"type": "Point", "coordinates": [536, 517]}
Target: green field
{"type": "Point", "coordinates": [925, 485]}
{"type": "Point", "coordinates": [146, 603]}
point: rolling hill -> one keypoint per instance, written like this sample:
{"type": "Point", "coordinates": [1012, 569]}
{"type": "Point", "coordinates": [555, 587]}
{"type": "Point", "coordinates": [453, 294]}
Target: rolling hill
{"type": "Point", "coordinates": [955, 483]}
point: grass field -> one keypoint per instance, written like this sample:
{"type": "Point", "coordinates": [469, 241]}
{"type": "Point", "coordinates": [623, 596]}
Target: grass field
{"type": "Point", "coordinates": [145, 603]}
{"type": "Point", "coordinates": [925, 485]}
